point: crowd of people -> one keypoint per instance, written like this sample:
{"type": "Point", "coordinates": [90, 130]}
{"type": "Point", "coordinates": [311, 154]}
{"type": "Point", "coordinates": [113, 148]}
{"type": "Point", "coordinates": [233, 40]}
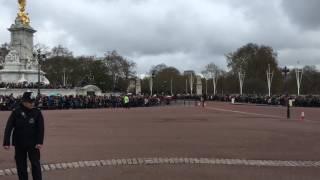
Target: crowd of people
{"type": "Point", "coordinates": [85, 102]}
{"type": "Point", "coordinates": [89, 102]}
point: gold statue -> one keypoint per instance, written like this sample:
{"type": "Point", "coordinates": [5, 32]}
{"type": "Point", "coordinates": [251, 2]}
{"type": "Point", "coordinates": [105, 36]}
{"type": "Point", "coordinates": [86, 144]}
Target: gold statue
{"type": "Point", "coordinates": [23, 16]}
{"type": "Point", "coordinates": [22, 5]}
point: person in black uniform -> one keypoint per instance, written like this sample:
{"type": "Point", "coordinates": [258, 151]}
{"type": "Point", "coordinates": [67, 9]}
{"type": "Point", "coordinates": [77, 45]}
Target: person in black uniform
{"type": "Point", "coordinates": [27, 125]}
{"type": "Point", "coordinates": [203, 99]}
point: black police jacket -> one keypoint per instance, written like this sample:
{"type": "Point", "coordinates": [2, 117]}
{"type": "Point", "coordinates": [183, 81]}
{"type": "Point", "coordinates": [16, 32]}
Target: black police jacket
{"type": "Point", "coordinates": [27, 126]}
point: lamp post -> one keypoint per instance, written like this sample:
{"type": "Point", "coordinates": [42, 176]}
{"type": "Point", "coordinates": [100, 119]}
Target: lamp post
{"type": "Point", "coordinates": [242, 76]}
{"type": "Point", "coordinates": [191, 84]}
{"type": "Point", "coordinates": [206, 86]}
{"type": "Point", "coordinates": [151, 82]}
{"type": "Point", "coordinates": [299, 74]}
{"type": "Point", "coordinates": [171, 87]}
{"type": "Point", "coordinates": [39, 57]}
{"type": "Point", "coordinates": [285, 72]}
{"type": "Point", "coordinates": [222, 79]}
{"type": "Point", "coordinates": [114, 79]}
{"type": "Point", "coordinates": [64, 77]}
{"type": "Point", "coordinates": [187, 86]}
{"type": "Point", "coordinates": [269, 79]}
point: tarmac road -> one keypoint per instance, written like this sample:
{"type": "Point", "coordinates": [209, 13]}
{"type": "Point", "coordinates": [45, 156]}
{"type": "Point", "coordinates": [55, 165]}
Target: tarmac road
{"type": "Point", "coordinates": [218, 131]}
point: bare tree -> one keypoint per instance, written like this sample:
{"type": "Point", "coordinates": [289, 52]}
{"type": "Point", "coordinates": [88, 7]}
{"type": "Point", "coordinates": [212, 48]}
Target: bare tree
{"type": "Point", "coordinates": [60, 51]}
{"type": "Point", "coordinates": [4, 50]}
{"type": "Point", "coordinates": [119, 67]}
{"type": "Point", "coordinates": [43, 48]}
{"type": "Point", "coordinates": [206, 76]}
{"type": "Point", "coordinates": [158, 68]}
{"type": "Point", "coordinates": [213, 73]}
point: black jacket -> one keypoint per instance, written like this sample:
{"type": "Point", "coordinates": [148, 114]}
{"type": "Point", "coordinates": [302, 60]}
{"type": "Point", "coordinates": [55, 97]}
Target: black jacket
{"type": "Point", "coordinates": [27, 126]}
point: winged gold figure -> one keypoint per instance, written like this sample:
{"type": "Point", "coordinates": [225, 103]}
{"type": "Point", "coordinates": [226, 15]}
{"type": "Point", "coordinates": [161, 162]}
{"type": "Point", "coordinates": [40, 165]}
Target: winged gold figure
{"type": "Point", "coordinates": [22, 12]}
{"type": "Point", "coordinates": [22, 5]}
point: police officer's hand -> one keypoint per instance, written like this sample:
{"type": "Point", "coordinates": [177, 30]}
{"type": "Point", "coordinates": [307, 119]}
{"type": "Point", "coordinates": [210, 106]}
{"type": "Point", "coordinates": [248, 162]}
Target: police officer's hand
{"type": "Point", "coordinates": [6, 147]}
{"type": "Point", "coordinates": [39, 146]}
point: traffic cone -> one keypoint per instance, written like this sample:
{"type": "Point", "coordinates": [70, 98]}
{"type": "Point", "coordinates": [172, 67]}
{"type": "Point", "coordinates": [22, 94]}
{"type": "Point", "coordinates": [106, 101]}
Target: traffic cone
{"type": "Point", "coordinates": [302, 116]}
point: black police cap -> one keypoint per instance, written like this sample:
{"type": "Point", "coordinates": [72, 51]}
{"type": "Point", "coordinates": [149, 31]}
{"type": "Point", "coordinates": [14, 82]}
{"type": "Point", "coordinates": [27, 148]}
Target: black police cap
{"type": "Point", "coordinates": [26, 97]}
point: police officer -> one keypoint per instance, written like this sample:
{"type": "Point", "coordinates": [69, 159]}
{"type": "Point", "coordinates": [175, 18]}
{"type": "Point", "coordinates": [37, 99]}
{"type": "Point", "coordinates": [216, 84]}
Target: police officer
{"type": "Point", "coordinates": [27, 125]}
{"type": "Point", "coordinates": [126, 101]}
{"type": "Point", "coordinates": [203, 100]}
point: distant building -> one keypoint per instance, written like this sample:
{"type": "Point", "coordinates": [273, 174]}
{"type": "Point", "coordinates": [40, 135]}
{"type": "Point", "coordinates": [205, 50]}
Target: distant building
{"type": "Point", "coordinates": [186, 73]}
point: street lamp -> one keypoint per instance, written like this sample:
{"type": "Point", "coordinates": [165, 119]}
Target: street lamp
{"type": "Point", "coordinates": [151, 82]}
{"type": "Point", "coordinates": [187, 85]}
{"type": "Point", "coordinates": [171, 87]}
{"type": "Point", "coordinates": [299, 74]}
{"type": "Point", "coordinates": [285, 72]}
{"type": "Point", "coordinates": [269, 79]}
{"type": "Point", "coordinates": [206, 86]}
{"type": "Point", "coordinates": [222, 79]}
{"type": "Point", "coordinates": [191, 84]}
{"type": "Point", "coordinates": [39, 57]}
{"type": "Point", "coordinates": [242, 76]}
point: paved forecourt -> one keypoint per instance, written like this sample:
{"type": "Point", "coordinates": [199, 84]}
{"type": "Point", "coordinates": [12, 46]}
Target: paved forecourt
{"type": "Point", "coordinates": [221, 140]}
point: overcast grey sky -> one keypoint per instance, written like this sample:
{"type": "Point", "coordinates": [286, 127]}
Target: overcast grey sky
{"type": "Point", "coordinates": [186, 34]}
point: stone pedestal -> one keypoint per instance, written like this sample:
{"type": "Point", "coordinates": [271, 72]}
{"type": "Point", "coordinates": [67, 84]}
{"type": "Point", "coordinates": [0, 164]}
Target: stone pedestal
{"type": "Point", "coordinates": [138, 86]}
{"type": "Point", "coordinates": [132, 86]}
{"type": "Point", "coordinates": [20, 65]}
{"type": "Point", "coordinates": [199, 86]}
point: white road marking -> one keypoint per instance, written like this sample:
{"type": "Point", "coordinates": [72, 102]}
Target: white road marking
{"type": "Point", "coordinates": [257, 114]}
{"type": "Point", "coordinates": [242, 112]}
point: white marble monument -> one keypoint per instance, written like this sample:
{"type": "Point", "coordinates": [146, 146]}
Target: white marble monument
{"type": "Point", "coordinates": [132, 86]}
{"type": "Point", "coordinates": [138, 86]}
{"type": "Point", "coordinates": [20, 66]}
{"type": "Point", "coordinates": [199, 86]}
